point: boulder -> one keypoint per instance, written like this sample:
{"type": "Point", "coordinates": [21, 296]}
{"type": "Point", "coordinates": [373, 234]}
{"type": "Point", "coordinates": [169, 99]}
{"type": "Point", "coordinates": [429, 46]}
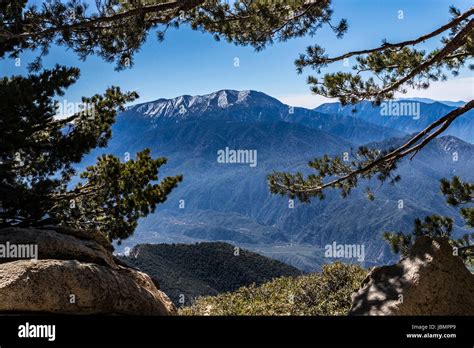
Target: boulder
{"type": "Point", "coordinates": [88, 234]}
{"type": "Point", "coordinates": [428, 281]}
{"type": "Point", "coordinates": [73, 287]}
{"type": "Point", "coordinates": [58, 245]}
{"type": "Point", "coordinates": [75, 272]}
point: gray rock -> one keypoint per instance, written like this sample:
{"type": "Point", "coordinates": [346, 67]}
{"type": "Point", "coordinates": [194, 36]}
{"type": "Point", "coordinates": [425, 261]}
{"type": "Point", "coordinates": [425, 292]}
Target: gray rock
{"type": "Point", "coordinates": [429, 281]}
{"type": "Point", "coordinates": [58, 245]}
{"type": "Point", "coordinates": [72, 287]}
{"type": "Point", "coordinates": [74, 273]}
{"type": "Point", "coordinates": [89, 234]}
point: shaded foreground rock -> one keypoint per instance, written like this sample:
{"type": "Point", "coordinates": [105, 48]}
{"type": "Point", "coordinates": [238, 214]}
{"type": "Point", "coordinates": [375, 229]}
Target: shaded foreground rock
{"type": "Point", "coordinates": [74, 275]}
{"type": "Point", "coordinates": [429, 281]}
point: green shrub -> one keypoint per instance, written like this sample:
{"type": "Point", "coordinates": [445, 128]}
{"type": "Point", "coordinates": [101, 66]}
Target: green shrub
{"type": "Point", "coordinates": [325, 293]}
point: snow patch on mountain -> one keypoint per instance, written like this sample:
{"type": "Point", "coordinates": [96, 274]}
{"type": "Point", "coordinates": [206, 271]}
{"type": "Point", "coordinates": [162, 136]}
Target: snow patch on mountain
{"type": "Point", "coordinates": [449, 143]}
{"type": "Point", "coordinates": [184, 106]}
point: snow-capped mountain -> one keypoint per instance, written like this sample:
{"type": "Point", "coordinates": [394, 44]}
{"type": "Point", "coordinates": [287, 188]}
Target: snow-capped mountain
{"type": "Point", "coordinates": [187, 106]}
{"type": "Point", "coordinates": [231, 202]}
{"type": "Point", "coordinates": [251, 107]}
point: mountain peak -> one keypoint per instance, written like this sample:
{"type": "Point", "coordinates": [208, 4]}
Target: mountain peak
{"type": "Point", "coordinates": [227, 97]}
{"type": "Point", "coordinates": [451, 143]}
{"type": "Point", "coordinates": [184, 106]}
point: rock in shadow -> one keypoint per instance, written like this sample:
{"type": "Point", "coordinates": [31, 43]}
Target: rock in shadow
{"type": "Point", "coordinates": [428, 281]}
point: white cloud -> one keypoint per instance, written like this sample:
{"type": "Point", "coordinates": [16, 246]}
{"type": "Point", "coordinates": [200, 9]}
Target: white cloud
{"type": "Point", "coordinates": [453, 90]}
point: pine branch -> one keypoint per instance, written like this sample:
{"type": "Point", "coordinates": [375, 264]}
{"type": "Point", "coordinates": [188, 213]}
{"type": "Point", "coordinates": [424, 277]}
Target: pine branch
{"type": "Point", "coordinates": [177, 5]}
{"type": "Point", "coordinates": [450, 47]}
{"type": "Point", "coordinates": [415, 144]}
{"type": "Point", "coordinates": [412, 42]}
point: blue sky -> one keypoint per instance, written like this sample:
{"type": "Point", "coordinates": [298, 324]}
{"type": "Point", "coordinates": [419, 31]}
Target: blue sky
{"type": "Point", "coordinates": [190, 62]}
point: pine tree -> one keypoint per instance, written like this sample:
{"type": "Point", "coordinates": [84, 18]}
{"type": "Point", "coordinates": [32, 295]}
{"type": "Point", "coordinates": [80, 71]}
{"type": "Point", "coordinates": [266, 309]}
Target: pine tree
{"type": "Point", "coordinates": [38, 151]}
{"type": "Point", "coordinates": [117, 30]}
{"type": "Point", "coordinates": [378, 74]}
{"type": "Point", "coordinates": [391, 68]}
{"type": "Point", "coordinates": [457, 193]}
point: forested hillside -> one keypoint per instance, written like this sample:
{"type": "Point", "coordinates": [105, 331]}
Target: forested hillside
{"type": "Point", "coordinates": [185, 271]}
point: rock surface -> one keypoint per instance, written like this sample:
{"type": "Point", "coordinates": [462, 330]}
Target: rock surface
{"type": "Point", "coordinates": [60, 246]}
{"type": "Point", "coordinates": [74, 275]}
{"type": "Point", "coordinates": [72, 287]}
{"type": "Point", "coordinates": [429, 281]}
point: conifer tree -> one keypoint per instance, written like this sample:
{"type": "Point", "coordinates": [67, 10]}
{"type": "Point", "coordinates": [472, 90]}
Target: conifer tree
{"type": "Point", "coordinates": [117, 29]}
{"type": "Point", "coordinates": [457, 193]}
{"type": "Point", "coordinates": [38, 150]}
{"type": "Point", "coordinates": [378, 74]}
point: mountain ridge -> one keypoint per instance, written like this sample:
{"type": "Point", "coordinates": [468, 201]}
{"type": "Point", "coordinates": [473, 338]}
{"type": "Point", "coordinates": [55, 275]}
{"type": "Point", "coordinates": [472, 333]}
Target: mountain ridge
{"type": "Point", "coordinates": [224, 98]}
{"type": "Point", "coordinates": [426, 113]}
{"type": "Point", "coordinates": [231, 202]}
{"type": "Point", "coordinates": [249, 107]}
{"type": "Point", "coordinates": [186, 271]}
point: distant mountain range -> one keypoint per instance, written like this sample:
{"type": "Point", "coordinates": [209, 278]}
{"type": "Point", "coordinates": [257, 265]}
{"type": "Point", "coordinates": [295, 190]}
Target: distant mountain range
{"type": "Point", "coordinates": [257, 107]}
{"type": "Point", "coordinates": [431, 101]}
{"type": "Point", "coordinates": [187, 271]}
{"type": "Point", "coordinates": [230, 201]}
{"type": "Point", "coordinates": [463, 127]}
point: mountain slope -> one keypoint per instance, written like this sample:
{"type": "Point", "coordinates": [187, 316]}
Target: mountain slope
{"type": "Point", "coordinates": [185, 272]}
{"type": "Point", "coordinates": [230, 201]}
{"type": "Point", "coordinates": [463, 127]}
{"type": "Point", "coordinates": [430, 101]}
{"type": "Point", "coordinates": [253, 106]}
